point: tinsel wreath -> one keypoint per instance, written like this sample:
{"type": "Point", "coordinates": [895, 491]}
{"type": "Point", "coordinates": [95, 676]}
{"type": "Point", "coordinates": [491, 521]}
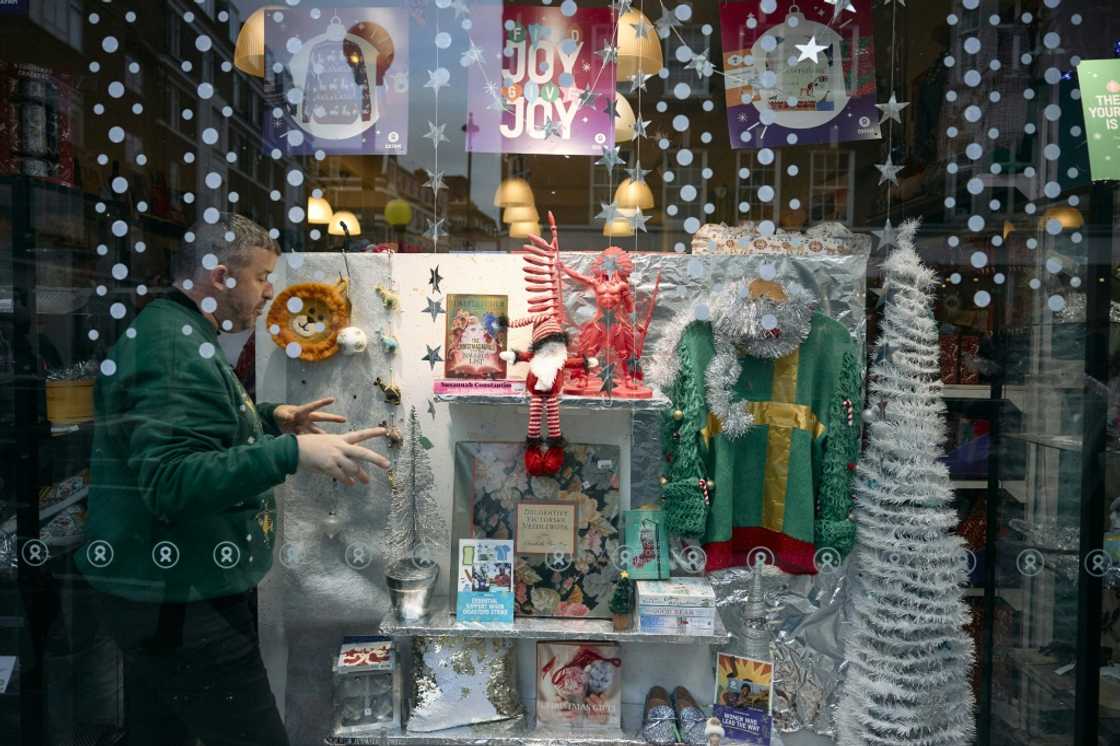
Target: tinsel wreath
{"type": "Point", "coordinates": [908, 655]}
{"type": "Point", "coordinates": [415, 522]}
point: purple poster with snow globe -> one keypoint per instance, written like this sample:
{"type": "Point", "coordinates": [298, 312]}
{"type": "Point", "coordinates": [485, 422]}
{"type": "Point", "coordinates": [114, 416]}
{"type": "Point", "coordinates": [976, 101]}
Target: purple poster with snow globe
{"type": "Point", "coordinates": [337, 80]}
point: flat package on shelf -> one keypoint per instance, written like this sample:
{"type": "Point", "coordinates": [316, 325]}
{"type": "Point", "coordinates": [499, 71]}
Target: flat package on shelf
{"type": "Point", "coordinates": [680, 606]}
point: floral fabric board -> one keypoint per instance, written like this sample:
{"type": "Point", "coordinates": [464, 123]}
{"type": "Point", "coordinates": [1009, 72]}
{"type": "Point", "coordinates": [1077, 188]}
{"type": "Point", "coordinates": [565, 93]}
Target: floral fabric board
{"type": "Point", "coordinates": [491, 484]}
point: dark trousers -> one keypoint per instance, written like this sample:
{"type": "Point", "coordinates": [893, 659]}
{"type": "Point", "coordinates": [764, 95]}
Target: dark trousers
{"type": "Point", "coordinates": [193, 670]}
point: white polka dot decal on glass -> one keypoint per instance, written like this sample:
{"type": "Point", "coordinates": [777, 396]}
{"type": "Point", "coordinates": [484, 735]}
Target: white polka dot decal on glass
{"type": "Point", "coordinates": [117, 311]}
{"type": "Point", "coordinates": [206, 350]}
{"type": "Point", "coordinates": [108, 367]}
{"type": "Point", "coordinates": [293, 350]}
{"type": "Point", "coordinates": [982, 298]}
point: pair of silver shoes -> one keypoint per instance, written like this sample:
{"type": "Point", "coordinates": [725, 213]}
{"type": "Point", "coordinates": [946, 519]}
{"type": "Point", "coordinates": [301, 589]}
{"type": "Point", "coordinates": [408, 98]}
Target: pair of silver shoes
{"type": "Point", "coordinates": [679, 720]}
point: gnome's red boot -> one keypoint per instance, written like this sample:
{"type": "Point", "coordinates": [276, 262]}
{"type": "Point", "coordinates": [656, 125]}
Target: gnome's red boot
{"type": "Point", "coordinates": [534, 458]}
{"type": "Point", "coordinates": [554, 456]}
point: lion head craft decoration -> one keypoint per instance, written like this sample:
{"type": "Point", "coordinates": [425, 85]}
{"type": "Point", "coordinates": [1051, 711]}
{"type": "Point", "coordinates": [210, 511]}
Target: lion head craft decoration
{"type": "Point", "coordinates": [308, 317]}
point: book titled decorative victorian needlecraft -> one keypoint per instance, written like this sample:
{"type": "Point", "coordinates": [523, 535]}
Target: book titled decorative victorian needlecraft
{"type": "Point", "coordinates": [579, 685]}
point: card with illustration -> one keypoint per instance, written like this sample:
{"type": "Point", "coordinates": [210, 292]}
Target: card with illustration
{"type": "Point", "coordinates": [476, 336]}
{"type": "Point", "coordinates": [743, 698]}
{"type": "Point", "coordinates": [579, 685]}
{"type": "Point", "coordinates": [485, 581]}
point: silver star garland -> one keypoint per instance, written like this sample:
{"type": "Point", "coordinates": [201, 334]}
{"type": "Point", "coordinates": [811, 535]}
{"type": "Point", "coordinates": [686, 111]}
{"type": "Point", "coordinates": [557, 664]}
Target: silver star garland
{"type": "Point", "coordinates": [435, 308]}
{"type": "Point", "coordinates": [888, 171]}
{"type": "Point", "coordinates": [892, 110]}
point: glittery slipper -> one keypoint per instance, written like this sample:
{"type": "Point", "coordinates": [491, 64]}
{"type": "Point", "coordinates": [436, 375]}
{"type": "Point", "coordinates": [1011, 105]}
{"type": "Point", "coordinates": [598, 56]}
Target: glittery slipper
{"type": "Point", "coordinates": [659, 725]}
{"type": "Point", "coordinates": [691, 720]}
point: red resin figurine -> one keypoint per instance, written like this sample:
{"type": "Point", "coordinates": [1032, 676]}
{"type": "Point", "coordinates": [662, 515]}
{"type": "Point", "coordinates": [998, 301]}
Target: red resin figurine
{"type": "Point", "coordinates": [611, 335]}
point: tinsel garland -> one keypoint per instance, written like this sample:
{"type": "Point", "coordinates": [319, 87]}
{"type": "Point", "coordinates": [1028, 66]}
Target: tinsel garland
{"type": "Point", "coordinates": [415, 520]}
{"type": "Point", "coordinates": [740, 326]}
{"type": "Point", "coordinates": [908, 655]}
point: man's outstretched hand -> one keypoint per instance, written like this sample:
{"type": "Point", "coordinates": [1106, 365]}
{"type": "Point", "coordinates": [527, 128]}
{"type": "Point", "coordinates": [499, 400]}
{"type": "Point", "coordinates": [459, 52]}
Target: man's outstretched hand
{"type": "Point", "coordinates": [304, 418]}
{"type": "Point", "coordinates": [339, 456]}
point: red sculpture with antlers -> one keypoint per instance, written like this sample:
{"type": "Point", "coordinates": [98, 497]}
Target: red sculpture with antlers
{"type": "Point", "coordinates": [548, 355]}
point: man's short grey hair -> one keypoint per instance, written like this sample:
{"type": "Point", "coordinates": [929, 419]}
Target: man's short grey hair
{"type": "Point", "coordinates": [229, 240]}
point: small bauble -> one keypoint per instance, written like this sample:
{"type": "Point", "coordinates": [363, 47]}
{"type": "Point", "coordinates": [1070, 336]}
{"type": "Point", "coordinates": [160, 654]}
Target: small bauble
{"type": "Point", "coordinates": [678, 415]}
{"type": "Point", "coordinates": [352, 341]}
{"type": "Point", "coordinates": [869, 415]}
{"type": "Point", "coordinates": [664, 481]}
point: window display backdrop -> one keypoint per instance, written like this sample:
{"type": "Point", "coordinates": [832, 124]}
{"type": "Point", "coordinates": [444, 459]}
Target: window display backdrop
{"type": "Point", "coordinates": [330, 578]}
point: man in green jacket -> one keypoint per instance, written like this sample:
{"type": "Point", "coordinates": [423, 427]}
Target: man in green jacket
{"type": "Point", "coordinates": [182, 520]}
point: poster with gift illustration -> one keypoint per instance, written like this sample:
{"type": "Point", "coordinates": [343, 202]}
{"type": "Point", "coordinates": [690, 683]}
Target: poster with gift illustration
{"type": "Point", "coordinates": [338, 80]}
{"type": "Point", "coordinates": [801, 74]}
{"type": "Point", "coordinates": [539, 81]}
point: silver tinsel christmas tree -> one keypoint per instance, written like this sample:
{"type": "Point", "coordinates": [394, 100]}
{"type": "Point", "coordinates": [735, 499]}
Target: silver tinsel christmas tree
{"type": "Point", "coordinates": [416, 528]}
{"type": "Point", "coordinates": [907, 680]}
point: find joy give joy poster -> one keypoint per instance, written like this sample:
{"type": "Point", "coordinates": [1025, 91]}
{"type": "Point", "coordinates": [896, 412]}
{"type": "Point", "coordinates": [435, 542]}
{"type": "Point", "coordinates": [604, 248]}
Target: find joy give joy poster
{"type": "Point", "coordinates": [541, 81]}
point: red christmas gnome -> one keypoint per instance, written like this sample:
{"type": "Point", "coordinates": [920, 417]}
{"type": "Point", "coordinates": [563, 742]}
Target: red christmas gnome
{"type": "Point", "coordinates": [548, 355]}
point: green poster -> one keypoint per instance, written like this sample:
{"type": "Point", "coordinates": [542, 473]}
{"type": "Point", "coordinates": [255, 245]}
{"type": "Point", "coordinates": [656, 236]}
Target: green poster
{"type": "Point", "coordinates": [1100, 100]}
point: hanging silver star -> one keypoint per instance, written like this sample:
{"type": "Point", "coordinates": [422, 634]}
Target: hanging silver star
{"type": "Point", "coordinates": [638, 220]}
{"type": "Point", "coordinates": [700, 64]}
{"type": "Point", "coordinates": [435, 229]}
{"type": "Point", "coordinates": [841, 6]}
{"type": "Point", "coordinates": [460, 9]}
{"type": "Point", "coordinates": [888, 236]}
{"type": "Point", "coordinates": [610, 158]}
{"type": "Point", "coordinates": [435, 180]}
{"type": "Point", "coordinates": [552, 128]}
{"type": "Point", "coordinates": [473, 56]}
{"type": "Point", "coordinates": [621, 6]}
{"type": "Point", "coordinates": [587, 98]}
{"type": "Point", "coordinates": [888, 171]}
{"type": "Point", "coordinates": [611, 107]}
{"type": "Point", "coordinates": [666, 23]}
{"type": "Point", "coordinates": [636, 172]}
{"type": "Point", "coordinates": [435, 134]}
{"type": "Point", "coordinates": [609, 213]}
{"type": "Point", "coordinates": [608, 53]}
{"type": "Point", "coordinates": [640, 127]}
{"type": "Point", "coordinates": [435, 308]}
{"type": "Point", "coordinates": [435, 278]}
{"type": "Point", "coordinates": [638, 81]}
{"type": "Point", "coordinates": [498, 103]}
{"type": "Point", "coordinates": [892, 109]}
{"type": "Point", "coordinates": [435, 81]}
{"type": "Point", "coordinates": [433, 355]}
{"type": "Point", "coordinates": [641, 28]}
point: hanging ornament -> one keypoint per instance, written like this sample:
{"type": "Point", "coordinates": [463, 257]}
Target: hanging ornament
{"type": "Point", "coordinates": [352, 341]}
{"type": "Point", "coordinates": [305, 319]}
{"type": "Point", "coordinates": [392, 434]}
{"type": "Point", "coordinates": [391, 391]}
{"type": "Point", "coordinates": [388, 297]}
{"type": "Point", "coordinates": [389, 343]}
{"type": "Point", "coordinates": [332, 525]}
